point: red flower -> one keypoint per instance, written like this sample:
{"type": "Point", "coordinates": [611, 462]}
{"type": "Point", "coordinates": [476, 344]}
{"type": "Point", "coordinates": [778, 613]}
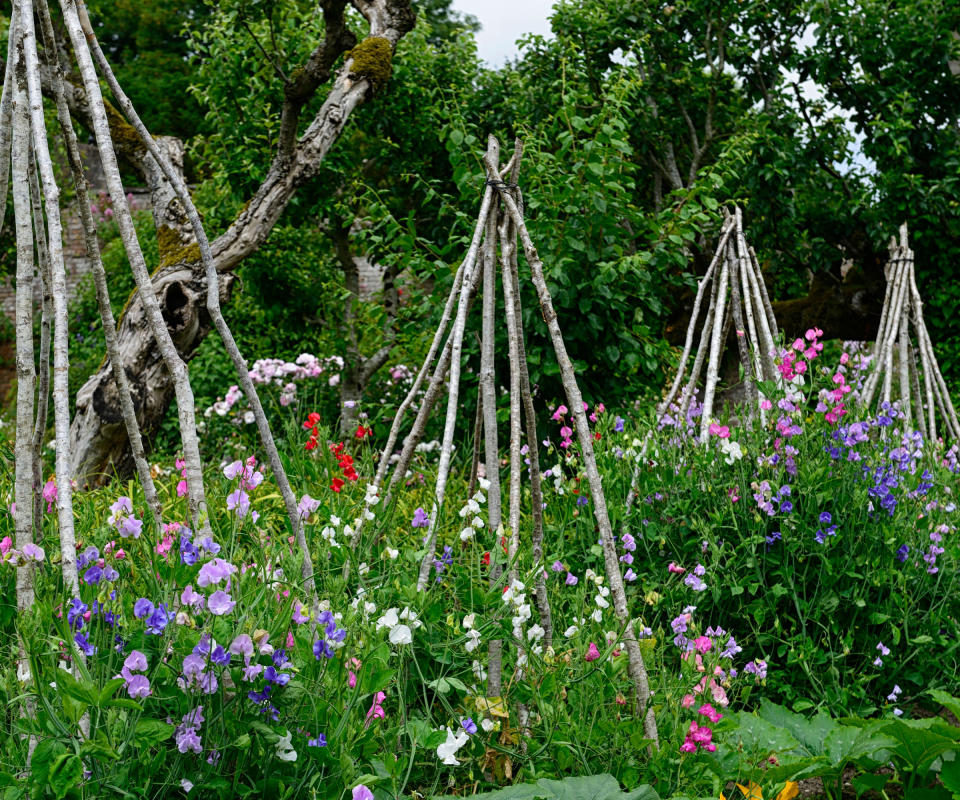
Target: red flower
{"type": "Point", "coordinates": [597, 436]}
{"type": "Point", "coordinates": [486, 559]}
{"type": "Point", "coordinates": [361, 432]}
{"type": "Point", "coordinates": [312, 421]}
{"type": "Point", "coordinates": [337, 484]}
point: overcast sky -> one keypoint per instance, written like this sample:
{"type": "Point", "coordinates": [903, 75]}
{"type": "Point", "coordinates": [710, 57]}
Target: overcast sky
{"type": "Point", "coordinates": [505, 21]}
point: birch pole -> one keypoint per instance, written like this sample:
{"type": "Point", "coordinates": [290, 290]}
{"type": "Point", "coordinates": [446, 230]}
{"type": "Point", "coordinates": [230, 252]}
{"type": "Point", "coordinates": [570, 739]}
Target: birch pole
{"type": "Point", "coordinates": [713, 365]}
{"type": "Point", "coordinates": [26, 376]}
{"type": "Point", "coordinates": [530, 419]}
{"type": "Point", "coordinates": [58, 281]}
{"type": "Point", "coordinates": [43, 357]}
{"type": "Point", "coordinates": [453, 398]}
{"type": "Point", "coordinates": [6, 116]}
{"type": "Point", "coordinates": [636, 668]}
{"type": "Point", "coordinates": [172, 360]}
{"type": "Point", "coordinates": [92, 245]}
{"type": "Point", "coordinates": [691, 328]}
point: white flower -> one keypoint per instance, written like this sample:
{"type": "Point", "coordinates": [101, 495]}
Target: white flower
{"type": "Point", "coordinates": [483, 483]}
{"type": "Point", "coordinates": [369, 515]}
{"type": "Point", "coordinates": [473, 641]}
{"type": "Point", "coordinates": [401, 635]}
{"type": "Point", "coordinates": [514, 591]}
{"type": "Point", "coordinates": [597, 616]}
{"type": "Point", "coordinates": [392, 553]}
{"type": "Point", "coordinates": [571, 631]}
{"type": "Point", "coordinates": [487, 724]}
{"type": "Point", "coordinates": [364, 568]}
{"type": "Point", "coordinates": [601, 601]}
{"type": "Point", "coordinates": [23, 672]}
{"type": "Point", "coordinates": [186, 785]}
{"type": "Point", "coordinates": [447, 751]}
{"type": "Point", "coordinates": [390, 619]}
{"type": "Point", "coordinates": [285, 751]}
{"type": "Point", "coordinates": [535, 633]}
{"type": "Point", "coordinates": [411, 616]}
{"type": "Point", "coordinates": [466, 534]}
{"type": "Point", "coordinates": [369, 608]}
{"type": "Point", "coordinates": [478, 671]}
{"type": "Point", "coordinates": [480, 497]}
{"type": "Point", "coordinates": [334, 520]}
{"type": "Point", "coordinates": [477, 523]}
{"type": "Point", "coordinates": [469, 621]}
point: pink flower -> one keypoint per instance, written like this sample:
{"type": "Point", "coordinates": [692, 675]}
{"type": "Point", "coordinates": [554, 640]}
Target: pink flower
{"type": "Point", "coordinates": [710, 713]}
{"type": "Point", "coordinates": [688, 701]}
{"type": "Point", "coordinates": [376, 710]}
{"type": "Point", "coordinates": [5, 544]}
{"type": "Point", "coordinates": [352, 679]}
{"type": "Point", "coordinates": [765, 404]}
{"type": "Point", "coordinates": [688, 747]}
{"type": "Point", "coordinates": [290, 640]}
{"type": "Point", "coordinates": [559, 413]}
{"type": "Point", "coordinates": [50, 494]}
{"type": "Point", "coordinates": [719, 694]}
{"type": "Point", "coordinates": [361, 792]}
{"type": "Point", "coordinates": [702, 644]}
{"type": "Point", "coordinates": [719, 430]}
{"type": "Point", "coordinates": [675, 569]}
{"type": "Point", "coordinates": [565, 432]}
{"type": "Point", "coordinates": [592, 653]}
{"type": "Point", "coordinates": [120, 554]}
{"type": "Point", "coordinates": [182, 489]}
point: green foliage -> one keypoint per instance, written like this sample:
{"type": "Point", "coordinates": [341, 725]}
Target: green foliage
{"type": "Point", "coordinates": [590, 787]}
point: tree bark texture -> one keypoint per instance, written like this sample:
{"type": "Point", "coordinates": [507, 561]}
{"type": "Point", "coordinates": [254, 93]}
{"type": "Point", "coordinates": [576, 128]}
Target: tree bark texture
{"type": "Point", "coordinates": [98, 434]}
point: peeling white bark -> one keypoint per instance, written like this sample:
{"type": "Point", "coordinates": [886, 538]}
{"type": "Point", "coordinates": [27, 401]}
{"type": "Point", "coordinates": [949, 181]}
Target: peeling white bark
{"type": "Point", "coordinates": [58, 280]}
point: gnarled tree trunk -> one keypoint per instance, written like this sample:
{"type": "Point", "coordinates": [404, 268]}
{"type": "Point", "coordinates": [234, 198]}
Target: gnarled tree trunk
{"type": "Point", "coordinates": [98, 436]}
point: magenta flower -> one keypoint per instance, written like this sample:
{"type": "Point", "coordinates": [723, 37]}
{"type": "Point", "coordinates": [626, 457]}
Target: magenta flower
{"type": "Point", "coordinates": [592, 653]}
{"type": "Point", "coordinates": [376, 710]}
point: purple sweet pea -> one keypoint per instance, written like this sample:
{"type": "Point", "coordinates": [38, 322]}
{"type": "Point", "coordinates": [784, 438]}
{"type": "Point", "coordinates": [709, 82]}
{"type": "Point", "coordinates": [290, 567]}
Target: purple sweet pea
{"type": "Point", "coordinates": [220, 603]}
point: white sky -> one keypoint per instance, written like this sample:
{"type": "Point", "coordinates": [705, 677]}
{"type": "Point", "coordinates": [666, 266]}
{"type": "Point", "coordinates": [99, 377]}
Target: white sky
{"type": "Point", "coordinates": [505, 21]}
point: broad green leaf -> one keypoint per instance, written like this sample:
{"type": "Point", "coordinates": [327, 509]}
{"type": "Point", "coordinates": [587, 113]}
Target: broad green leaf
{"type": "Point", "coordinates": [66, 771]}
{"type": "Point", "coordinates": [150, 732]}
{"type": "Point", "coordinates": [917, 745]}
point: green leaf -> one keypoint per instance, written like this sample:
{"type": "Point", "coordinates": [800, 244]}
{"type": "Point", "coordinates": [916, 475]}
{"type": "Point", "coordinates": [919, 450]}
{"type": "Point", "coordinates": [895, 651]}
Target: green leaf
{"type": "Point", "coordinates": [946, 700]}
{"type": "Point", "coordinates": [589, 787]}
{"type": "Point", "coordinates": [109, 690]}
{"type": "Point", "coordinates": [950, 774]}
{"type": "Point", "coordinates": [99, 747]}
{"type": "Point", "coordinates": [809, 733]}
{"type": "Point", "coordinates": [863, 783]}
{"type": "Point", "coordinates": [916, 745]}
{"type": "Point", "coordinates": [66, 771]}
{"type": "Point", "coordinates": [150, 732]}
{"type": "Point", "coordinates": [84, 693]}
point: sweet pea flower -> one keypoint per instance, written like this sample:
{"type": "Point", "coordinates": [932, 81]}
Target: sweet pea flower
{"type": "Point", "coordinates": [220, 603]}
{"type": "Point", "coordinates": [592, 653]}
{"type": "Point", "coordinates": [361, 792]}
